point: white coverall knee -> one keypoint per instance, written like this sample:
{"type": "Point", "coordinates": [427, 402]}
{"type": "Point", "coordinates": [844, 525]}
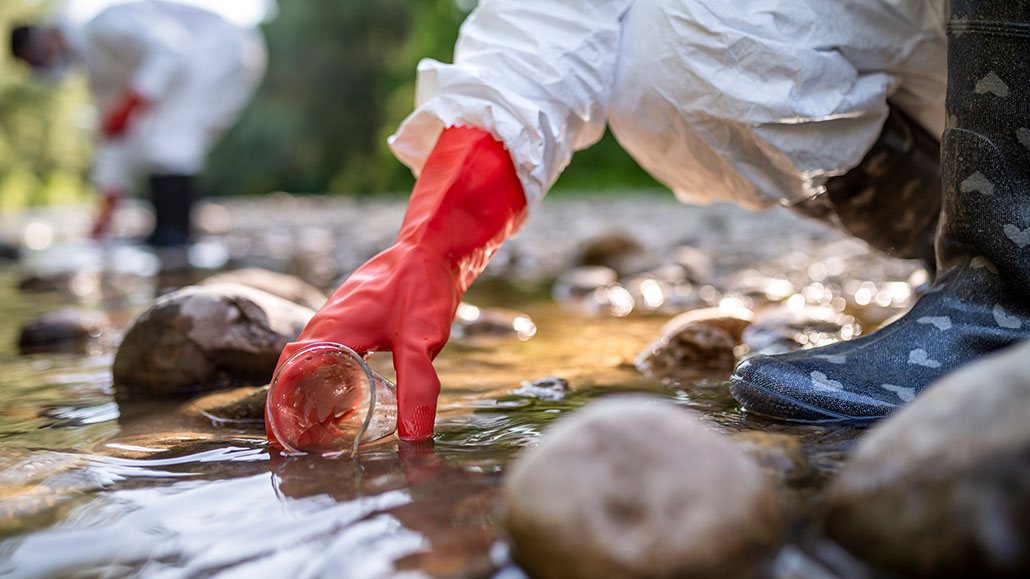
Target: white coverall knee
{"type": "Point", "coordinates": [195, 70]}
{"type": "Point", "coordinates": [756, 102]}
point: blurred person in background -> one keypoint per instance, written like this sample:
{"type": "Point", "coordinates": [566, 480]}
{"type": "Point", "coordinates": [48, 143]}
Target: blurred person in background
{"type": "Point", "coordinates": [835, 109]}
{"type": "Point", "coordinates": [168, 80]}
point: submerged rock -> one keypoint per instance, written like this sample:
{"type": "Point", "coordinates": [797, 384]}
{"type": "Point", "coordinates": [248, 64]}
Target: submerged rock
{"type": "Point", "coordinates": [288, 287]}
{"type": "Point", "coordinates": [242, 406]}
{"type": "Point", "coordinates": [636, 487]}
{"type": "Point", "coordinates": [204, 337]}
{"type": "Point", "coordinates": [779, 454]}
{"type": "Point", "coordinates": [550, 389]}
{"type": "Point", "coordinates": [63, 327]}
{"type": "Point", "coordinates": [697, 340]}
{"type": "Point", "coordinates": [943, 487]}
{"type": "Point", "coordinates": [36, 486]}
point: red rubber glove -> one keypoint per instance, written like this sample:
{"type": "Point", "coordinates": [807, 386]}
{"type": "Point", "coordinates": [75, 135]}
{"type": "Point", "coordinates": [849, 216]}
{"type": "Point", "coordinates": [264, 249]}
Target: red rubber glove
{"type": "Point", "coordinates": [116, 120]}
{"type": "Point", "coordinates": [105, 212]}
{"type": "Point", "coordinates": [467, 201]}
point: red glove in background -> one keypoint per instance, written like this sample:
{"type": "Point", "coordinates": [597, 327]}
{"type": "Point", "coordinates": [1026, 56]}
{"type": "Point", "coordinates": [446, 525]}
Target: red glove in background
{"type": "Point", "coordinates": [105, 212]}
{"type": "Point", "coordinates": [466, 202]}
{"type": "Point", "coordinates": [116, 120]}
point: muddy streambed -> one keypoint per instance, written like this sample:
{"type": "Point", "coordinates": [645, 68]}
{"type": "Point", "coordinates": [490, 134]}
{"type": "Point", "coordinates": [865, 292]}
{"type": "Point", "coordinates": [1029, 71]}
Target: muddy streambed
{"type": "Point", "coordinates": [91, 487]}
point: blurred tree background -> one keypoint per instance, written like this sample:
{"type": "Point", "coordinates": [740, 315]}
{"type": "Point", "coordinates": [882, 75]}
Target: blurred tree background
{"type": "Point", "coordinates": [341, 77]}
{"type": "Point", "coordinates": [44, 146]}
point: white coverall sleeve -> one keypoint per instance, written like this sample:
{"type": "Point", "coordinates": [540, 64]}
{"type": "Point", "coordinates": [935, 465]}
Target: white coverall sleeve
{"type": "Point", "coordinates": [537, 74]}
{"type": "Point", "coordinates": [158, 41]}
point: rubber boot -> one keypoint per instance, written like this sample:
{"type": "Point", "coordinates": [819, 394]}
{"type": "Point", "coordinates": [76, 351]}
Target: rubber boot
{"type": "Point", "coordinates": [892, 199]}
{"type": "Point", "coordinates": [980, 301]}
{"type": "Point", "coordinates": [172, 196]}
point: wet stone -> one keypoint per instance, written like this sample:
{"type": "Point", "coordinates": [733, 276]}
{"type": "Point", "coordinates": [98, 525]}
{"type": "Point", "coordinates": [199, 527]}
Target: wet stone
{"type": "Point", "coordinates": [637, 487]}
{"type": "Point", "coordinates": [783, 328]}
{"type": "Point", "coordinates": [241, 406]}
{"type": "Point", "coordinates": [662, 290]}
{"type": "Point", "coordinates": [942, 488]}
{"type": "Point", "coordinates": [779, 454]}
{"type": "Point", "coordinates": [9, 252]}
{"type": "Point", "coordinates": [593, 289]}
{"type": "Point", "coordinates": [550, 389]}
{"type": "Point", "coordinates": [63, 327]}
{"type": "Point", "coordinates": [696, 263]}
{"type": "Point", "coordinates": [77, 283]}
{"type": "Point", "coordinates": [288, 287]}
{"type": "Point", "coordinates": [205, 338]}
{"type": "Point", "coordinates": [757, 287]}
{"type": "Point", "coordinates": [620, 252]}
{"type": "Point", "coordinates": [579, 282]}
{"type": "Point", "coordinates": [472, 322]}
{"type": "Point", "coordinates": [697, 340]}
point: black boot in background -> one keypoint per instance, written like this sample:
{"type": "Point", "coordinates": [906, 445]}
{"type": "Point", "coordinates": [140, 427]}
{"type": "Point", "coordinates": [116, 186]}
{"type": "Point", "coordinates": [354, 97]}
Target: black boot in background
{"type": "Point", "coordinates": [172, 196]}
{"type": "Point", "coordinates": [980, 301]}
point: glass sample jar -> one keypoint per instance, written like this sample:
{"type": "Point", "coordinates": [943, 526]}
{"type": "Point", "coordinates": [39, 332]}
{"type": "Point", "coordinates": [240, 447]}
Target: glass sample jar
{"type": "Point", "coordinates": [325, 399]}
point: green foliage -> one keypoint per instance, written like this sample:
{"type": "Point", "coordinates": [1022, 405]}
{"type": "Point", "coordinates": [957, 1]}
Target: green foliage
{"type": "Point", "coordinates": [603, 167]}
{"type": "Point", "coordinates": [321, 106]}
{"type": "Point", "coordinates": [43, 151]}
{"type": "Point", "coordinates": [341, 79]}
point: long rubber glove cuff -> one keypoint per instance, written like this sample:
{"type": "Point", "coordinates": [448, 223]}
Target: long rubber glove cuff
{"type": "Point", "coordinates": [108, 203]}
{"type": "Point", "coordinates": [118, 117]}
{"type": "Point", "coordinates": [465, 203]}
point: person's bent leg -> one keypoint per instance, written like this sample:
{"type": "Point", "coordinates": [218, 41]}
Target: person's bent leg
{"type": "Point", "coordinates": [173, 197]}
{"type": "Point", "coordinates": [783, 119]}
{"type": "Point", "coordinates": [979, 302]}
{"type": "Point", "coordinates": [173, 142]}
{"type": "Point", "coordinates": [113, 165]}
{"type": "Point", "coordinates": [892, 199]}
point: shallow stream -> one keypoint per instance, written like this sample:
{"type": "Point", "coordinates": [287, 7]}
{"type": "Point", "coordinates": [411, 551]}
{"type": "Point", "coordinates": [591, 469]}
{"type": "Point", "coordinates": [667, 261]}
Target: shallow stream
{"type": "Point", "coordinates": [91, 488]}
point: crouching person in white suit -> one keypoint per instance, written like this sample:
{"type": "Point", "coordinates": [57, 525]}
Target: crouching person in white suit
{"type": "Point", "coordinates": [168, 80]}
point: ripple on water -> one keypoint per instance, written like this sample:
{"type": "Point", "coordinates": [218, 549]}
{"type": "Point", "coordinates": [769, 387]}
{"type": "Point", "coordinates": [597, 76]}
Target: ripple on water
{"type": "Point", "coordinates": [196, 528]}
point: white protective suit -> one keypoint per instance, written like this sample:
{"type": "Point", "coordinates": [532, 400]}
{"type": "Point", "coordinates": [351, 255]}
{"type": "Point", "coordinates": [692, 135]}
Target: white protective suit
{"type": "Point", "coordinates": [195, 70]}
{"type": "Point", "coordinates": [751, 101]}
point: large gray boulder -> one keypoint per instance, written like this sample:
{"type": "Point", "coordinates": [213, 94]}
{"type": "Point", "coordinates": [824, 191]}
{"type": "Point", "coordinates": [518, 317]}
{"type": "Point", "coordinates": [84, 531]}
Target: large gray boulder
{"type": "Point", "coordinates": [206, 337]}
{"type": "Point", "coordinates": [637, 487]}
{"type": "Point", "coordinates": [943, 487]}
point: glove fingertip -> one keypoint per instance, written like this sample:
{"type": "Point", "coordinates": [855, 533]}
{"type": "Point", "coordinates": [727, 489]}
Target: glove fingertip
{"type": "Point", "coordinates": [417, 426]}
{"type": "Point", "coordinates": [418, 387]}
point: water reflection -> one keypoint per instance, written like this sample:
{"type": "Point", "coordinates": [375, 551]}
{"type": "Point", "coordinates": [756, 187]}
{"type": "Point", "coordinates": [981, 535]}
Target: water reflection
{"type": "Point", "coordinates": [448, 506]}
